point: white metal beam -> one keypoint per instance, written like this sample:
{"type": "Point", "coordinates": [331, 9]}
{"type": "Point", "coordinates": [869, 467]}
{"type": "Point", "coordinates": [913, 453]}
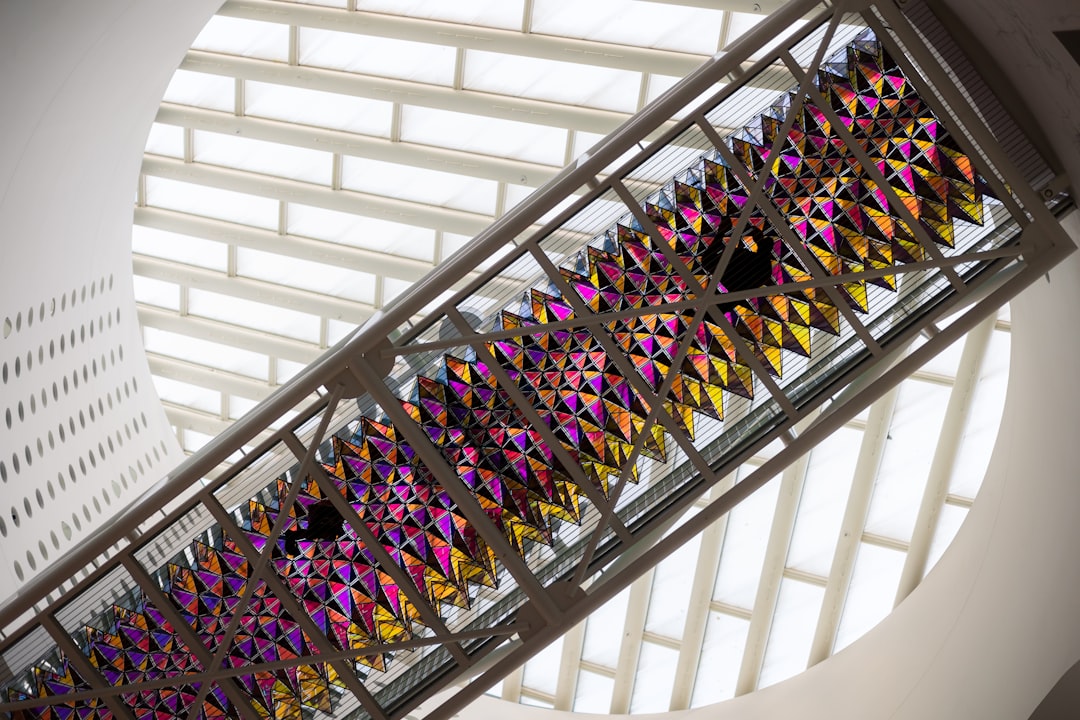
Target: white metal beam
{"type": "Point", "coordinates": [460, 162]}
{"type": "Point", "coordinates": [283, 296]}
{"type": "Point", "coordinates": [851, 527]}
{"type": "Point", "coordinates": [956, 417]}
{"type": "Point", "coordinates": [274, 346]}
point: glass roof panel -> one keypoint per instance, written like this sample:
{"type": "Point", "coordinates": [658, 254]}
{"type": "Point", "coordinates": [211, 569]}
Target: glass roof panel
{"type": "Point", "coordinates": [629, 22]}
{"type": "Point", "coordinates": [256, 315]}
{"type": "Point", "coordinates": [392, 287]}
{"type": "Point", "coordinates": [489, 136]}
{"type": "Point", "coordinates": [984, 418]}
{"type": "Point", "coordinates": [604, 625]}
{"type": "Point", "coordinates": [259, 156]}
{"type": "Point", "coordinates": [905, 463]}
{"type": "Point", "coordinates": [432, 187]}
{"type": "Point", "coordinates": [165, 140]}
{"type": "Point", "coordinates": [362, 232]}
{"type": "Point", "coordinates": [336, 330]}
{"type": "Point", "coordinates": [194, 440]}
{"type": "Point", "coordinates": [561, 82]}
{"type": "Point", "coordinates": [489, 13]}
{"type": "Point", "coordinates": [792, 631]}
{"type": "Point", "coordinates": [287, 370]}
{"type": "Point", "coordinates": [204, 352]}
{"type": "Point", "coordinates": [659, 84]}
{"type": "Point", "coordinates": [181, 248]}
{"type": "Point", "coordinates": [182, 393]}
{"type": "Point", "coordinates": [946, 362]}
{"type": "Point", "coordinates": [516, 194]}
{"type": "Point", "coordinates": [670, 594]}
{"type": "Point", "coordinates": [319, 108]}
{"type": "Point", "coordinates": [157, 293]}
{"type": "Point", "coordinates": [949, 521]}
{"type": "Point", "coordinates": [542, 672]}
{"type": "Point", "coordinates": [317, 277]}
{"type": "Point", "coordinates": [213, 92]}
{"type": "Point", "coordinates": [370, 55]}
{"type": "Point", "coordinates": [740, 24]}
{"type": "Point", "coordinates": [212, 202]}
{"type": "Point", "coordinates": [240, 406]}
{"type": "Point", "coordinates": [583, 141]}
{"type": "Point", "coordinates": [824, 498]}
{"type": "Point", "coordinates": [250, 38]}
{"type": "Point", "coordinates": [721, 657]}
{"type": "Point", "coordinates": [744, 546]}
{"type": "Point", "coordinates": [873, 589]}
{"type": "Point", "coordinates": [593, 693]}
{"type": "Point", "coordinates": [654, 679]}
{"type": "Point", "coordinates": [452, 243]}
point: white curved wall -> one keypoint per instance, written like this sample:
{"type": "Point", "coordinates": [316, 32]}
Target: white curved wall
{"type": "Point", "coordinates": [81, 428]}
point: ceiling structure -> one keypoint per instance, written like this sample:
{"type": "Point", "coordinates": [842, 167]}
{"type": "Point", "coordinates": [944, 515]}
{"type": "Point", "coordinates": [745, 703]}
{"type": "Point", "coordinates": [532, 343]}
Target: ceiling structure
{"type": "Point", "coordinates": [309, 163]}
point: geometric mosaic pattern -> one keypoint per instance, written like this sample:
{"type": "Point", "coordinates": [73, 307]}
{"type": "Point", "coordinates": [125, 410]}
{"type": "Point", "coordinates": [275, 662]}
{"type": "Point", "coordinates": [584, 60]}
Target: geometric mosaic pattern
{"type": "Point", "coordinates": [835, 210]}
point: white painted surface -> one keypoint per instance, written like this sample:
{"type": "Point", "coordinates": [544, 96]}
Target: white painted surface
{"type": "Point", "coordinates": [81, 83]}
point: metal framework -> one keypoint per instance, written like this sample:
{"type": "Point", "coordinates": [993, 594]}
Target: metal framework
{"type": "Point", "coordinates": [527, 578]}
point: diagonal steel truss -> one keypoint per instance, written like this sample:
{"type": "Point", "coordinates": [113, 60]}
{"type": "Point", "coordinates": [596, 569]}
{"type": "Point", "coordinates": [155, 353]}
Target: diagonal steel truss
{"type": "Point", "coordinates": [541, 592]}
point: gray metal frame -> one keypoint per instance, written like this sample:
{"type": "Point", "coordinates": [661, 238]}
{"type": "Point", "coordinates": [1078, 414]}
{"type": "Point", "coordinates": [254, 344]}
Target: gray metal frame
{"type": "Point", "coordinates": [359, 365]}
